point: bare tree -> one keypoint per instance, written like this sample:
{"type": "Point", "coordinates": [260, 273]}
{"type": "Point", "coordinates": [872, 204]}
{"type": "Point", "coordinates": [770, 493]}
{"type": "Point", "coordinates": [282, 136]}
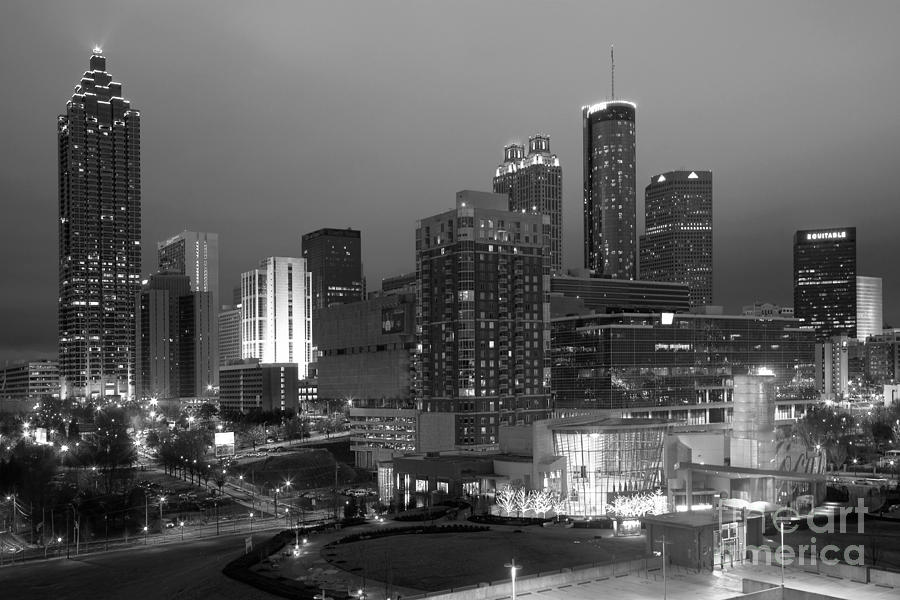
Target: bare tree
{"type": "Point", "coordinates": [506, 499]}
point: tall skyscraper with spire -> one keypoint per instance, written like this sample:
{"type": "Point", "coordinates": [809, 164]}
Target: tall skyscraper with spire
{"type": "Point", "coordinates": [533, 183]}
{"type": "Point", "coordinates": [610, 207]}
{"type": "Point", "coordinates": [99, 140]}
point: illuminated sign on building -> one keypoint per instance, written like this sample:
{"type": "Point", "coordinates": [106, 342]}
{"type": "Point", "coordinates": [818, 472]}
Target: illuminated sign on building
{"type": "Point", "coordinates": [826, 235]}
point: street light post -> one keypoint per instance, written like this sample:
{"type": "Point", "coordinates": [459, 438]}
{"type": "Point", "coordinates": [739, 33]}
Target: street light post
{"type": "Point", "coordinates": [781, 530]}
{"type": "Point", "coordinates": [664, 543]}
{"type": "Point", "coordinates": [513, 567]}
{"type": "Point", "coordinates": [181, 524]}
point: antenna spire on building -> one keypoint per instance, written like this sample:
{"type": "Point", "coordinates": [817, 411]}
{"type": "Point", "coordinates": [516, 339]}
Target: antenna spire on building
{"type": "Point", "coordinates": [612, 63]}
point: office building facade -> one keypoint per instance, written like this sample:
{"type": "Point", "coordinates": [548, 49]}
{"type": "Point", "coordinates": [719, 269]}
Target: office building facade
{"type": "Point", "coordinates": [198, 352]}
{"type": "Point", "coordinates": [365, 351]}
{"type": "Point", "coordinates": [610, 206]}
{"type": "Point", "coordinates": [334, 258]}
{"type": "Point", "coordinates": [399, 284]}
{"type": "Point", "coordinates": [533, 182]}
{"type": "Point", "coordinates": [229, 334]}
{"type": "Point", "coordinates": [99, 143]}
{"type": "Point", "coordinates": [677, 245]}
{"type": "Point", "coordinates": [869, 317]}
{"type": "Point", "coordinates": [275, 312]}
{"type": "Point", "coordinates": [250, 386]}
{"type": "Point", "coordinates": [483, 302]}
{"type": "Point", "coordinates": [176, 344]}
{"type": "Point", "coordinates": [621, 295]}
{"type": "Point", "coordinates": [30, 382]}
{"type": "Point", "coordinates": [195, 254]}
{"type": "Point", "coordinates": [825, 280]}
{"type": "Point", "coordinates": [678, 366]}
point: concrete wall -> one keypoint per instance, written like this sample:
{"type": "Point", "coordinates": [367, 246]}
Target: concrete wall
{"type": "Point", "coordinates": [884, 578]}
{"type": "Point", "coordinates": [436, 432]}
{"type": "Point", "coordinates": [541, 581]}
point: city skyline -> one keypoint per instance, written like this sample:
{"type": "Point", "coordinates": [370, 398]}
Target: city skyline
{"type": "Point", "coordinates": [764, 167]}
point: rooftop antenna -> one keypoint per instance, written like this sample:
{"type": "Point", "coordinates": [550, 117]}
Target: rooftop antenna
{"type": "Point", "coordinates": [612, 62]}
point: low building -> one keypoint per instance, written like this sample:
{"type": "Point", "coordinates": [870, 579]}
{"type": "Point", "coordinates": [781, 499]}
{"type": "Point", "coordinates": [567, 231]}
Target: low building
{"type": "Point", "coordinates": [23, 385]}
{"type": "Point", "coordinates": [767, 309]}
{"type": "Point", "coordinates": [253, 386]}
{"type": "Point", "coordinates": [308, 393]}
{"type": "Point", "coordinates": [701, 541]}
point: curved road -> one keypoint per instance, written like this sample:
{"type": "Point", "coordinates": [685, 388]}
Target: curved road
{"type": "Point", "coordinates": [174, 571]}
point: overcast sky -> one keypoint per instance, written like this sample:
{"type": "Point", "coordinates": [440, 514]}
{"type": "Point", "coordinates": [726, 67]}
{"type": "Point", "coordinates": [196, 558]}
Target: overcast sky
{"type": "Point", "coordinates": [265, 120]}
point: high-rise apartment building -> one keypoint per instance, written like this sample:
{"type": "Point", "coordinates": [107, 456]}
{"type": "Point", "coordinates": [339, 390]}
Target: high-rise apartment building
{"type": "Point", "coordinates": [483, 318]}
{"type": "Point", "coordinates": [677, 245]}
{"type": "Point", "coordinates": [610, 207]}
{"type": "Point", "coordinates": [869, 317]}
{"type": "Point", "coordinates": [195, 254]}
{"type": "Point", "coordinates": [99, 143]}
{"type": "Point", "coordinates": [334, 258]}
{"type": "Point", "coordinates": [275, 312]}
{"type": "Point", "coordinates": [533, 183]}
{"type": "Point", "coordinates": [825, 280]}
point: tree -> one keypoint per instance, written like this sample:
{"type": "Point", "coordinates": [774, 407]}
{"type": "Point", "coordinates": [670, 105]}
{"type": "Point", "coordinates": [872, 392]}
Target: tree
{"type": "Point", "coordinates": [207, 411]}
{"type": "Point", "coordinates": [522, 500]}
{"type": "Point", "coordinates": [541, 501]}
{"type": "Point", "coordinates": [558, 503]}
{"type": "Point", "coordinates": [825, 429]}
{"type": "Point", "coordinates": [254, 435]}
{"type": "Point", "coordinates": [506, 499]}
{"type": "Point", "coordinates": [115, 448]}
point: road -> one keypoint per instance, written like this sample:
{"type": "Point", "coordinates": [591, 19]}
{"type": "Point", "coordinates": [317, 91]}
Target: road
{"type": "Point", "coordinates": [174, 571]}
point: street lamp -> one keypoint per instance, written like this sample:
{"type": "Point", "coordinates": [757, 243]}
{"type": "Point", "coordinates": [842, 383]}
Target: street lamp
{"type": "Point", "coordinates": [162, 524]}
{"type": "Point", "coordinates": [181, 524]}
{"type": "Point", "coordinates": [513, 567]}
{"type": "Point", "coordinates": [251, 521]}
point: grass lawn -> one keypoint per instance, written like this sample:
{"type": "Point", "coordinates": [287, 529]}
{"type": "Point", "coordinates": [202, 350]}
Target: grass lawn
{"type": "Point", "coordinates": [439, 561]}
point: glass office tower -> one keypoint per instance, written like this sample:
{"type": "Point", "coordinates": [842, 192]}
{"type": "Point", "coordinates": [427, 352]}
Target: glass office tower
{"type": "Point", "coordinates": [99, 143]}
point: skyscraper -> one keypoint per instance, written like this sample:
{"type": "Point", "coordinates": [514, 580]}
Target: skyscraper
{"type": "Point", "coordinates": [825, 280]}
{"type": "Point", "coordinates": [99, 142]}
{"type": "Point", "coordinates": [678, 243]}
{"type": "Point", "coordinates": [275, 312]}
{"type": "Point", "coordinates": [334, 258]}
{"type": "Point", "coordinates": [610, 208]}
{"type": "Point", "coordinates": [483, 318]}
{"type": "Point", "coordinates": [869, 318]}
{"type": "Point", "coordinates": [533, 183]}
{"type": "Point", "coordinates": [195, 254]}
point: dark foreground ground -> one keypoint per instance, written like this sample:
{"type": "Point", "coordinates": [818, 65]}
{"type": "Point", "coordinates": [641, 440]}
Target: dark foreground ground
{"type": "Point", "coordinates": [175, 572]}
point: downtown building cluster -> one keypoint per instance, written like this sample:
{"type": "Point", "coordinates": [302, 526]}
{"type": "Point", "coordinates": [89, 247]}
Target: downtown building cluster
{"type": "Point", "coordinates": [490, 346]}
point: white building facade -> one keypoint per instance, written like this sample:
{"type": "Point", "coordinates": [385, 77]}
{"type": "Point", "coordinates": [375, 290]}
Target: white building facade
{"type": "Point", "coordinates": [276, 323]}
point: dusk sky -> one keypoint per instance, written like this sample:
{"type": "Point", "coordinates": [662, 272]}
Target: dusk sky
{"type": "Point", "coordinates": [262, 121]}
